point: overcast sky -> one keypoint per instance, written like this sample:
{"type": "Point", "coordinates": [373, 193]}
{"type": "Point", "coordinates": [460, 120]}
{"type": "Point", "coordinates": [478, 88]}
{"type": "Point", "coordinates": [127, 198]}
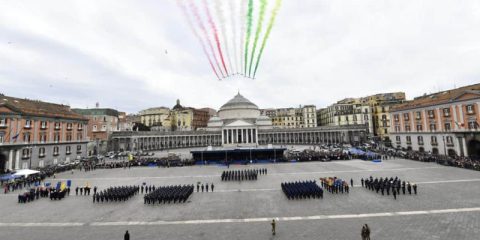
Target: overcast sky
{"type": "Point", "coordinates": [132, 55]}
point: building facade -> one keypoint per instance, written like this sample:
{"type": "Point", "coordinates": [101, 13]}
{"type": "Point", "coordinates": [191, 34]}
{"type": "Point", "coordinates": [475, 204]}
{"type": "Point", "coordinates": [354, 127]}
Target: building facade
{"type": "Point", "coordinates": [239, 124]}
{"type": "Point", "coordinates": [37, 134]}
{"type": "Point", "coordinates": [445, 123]}
{"type": "Point", "coordinates": [301, 117]}
{"type": "Point", "coordinates": [154, 116]}
{"type": "Point", "coordinates": [380, 105]}
{"type": "Point", "coordinates": [346, 113]}
{"type": "Point", "coordinates": [101, 123]}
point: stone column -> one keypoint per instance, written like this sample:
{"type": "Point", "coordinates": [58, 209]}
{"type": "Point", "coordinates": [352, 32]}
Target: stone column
{"type": "Point", "coordinates": [17, 160]}
{"type": "Point", "coordinates": [10, 160]}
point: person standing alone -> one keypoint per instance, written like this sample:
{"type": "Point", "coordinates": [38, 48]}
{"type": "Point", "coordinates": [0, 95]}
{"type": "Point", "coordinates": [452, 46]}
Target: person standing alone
{"type": "Point", "coordinates": [126, 236]}
{"type": "Point", "coordinates": [273, 226]}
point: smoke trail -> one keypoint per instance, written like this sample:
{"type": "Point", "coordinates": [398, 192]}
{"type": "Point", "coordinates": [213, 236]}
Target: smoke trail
{"type": "Point", "coordinates": [267, 33]}
{"type": "Point", "coordinates": [234, 33]}
{"type": "Point", "coordinates": [204, 31]}
{"type": "Point", "coordinates": [221, 19]}
{"type": "Point", "coordinates": [215, 35]}
{"type": "Point", "coordinates": [242, 15]}
{"type": "Point", "coordinates": [263, 5]}
{"type": "Point", "coordinates": [190, 24]}
{"type": "Point", "coordinates": [249, 31]}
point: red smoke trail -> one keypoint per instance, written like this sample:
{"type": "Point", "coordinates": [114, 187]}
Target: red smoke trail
{"type": "Point", "coordinates": [204, 31]}
{"type": "Point", "coordinates": [190, 24]}
{"type": "Point", "coordinates": [215, 34]}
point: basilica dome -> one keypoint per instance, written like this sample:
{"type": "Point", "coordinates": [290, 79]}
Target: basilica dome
{"type": "Point", "coordinates": [239, 108]}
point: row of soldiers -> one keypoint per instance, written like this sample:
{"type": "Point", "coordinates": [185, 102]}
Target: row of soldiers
{"type": "Point", "coordinates": [240, 175]}
{"type": "Point", "coordinates": [335, 185]}
{"type": "Point", "coordinates": [147, 189]}
{"type": "Point", "coordinates": [302, 190]}
{"type": "Point", "coordinates": [394, 185]}
{"type": "Point", "coordinates": [85, 190]}
{"type": "Point", "coordinates": [116, 194]}
{"type": "Point", "coordinates": [57, 194]}
{"type": "Point", "coordinates": [169, 194]}
{"type": "Point", "coordinates": [204, 187]}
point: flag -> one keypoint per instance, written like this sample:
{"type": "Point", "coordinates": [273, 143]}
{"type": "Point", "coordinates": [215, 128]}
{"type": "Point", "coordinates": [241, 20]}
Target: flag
{"type": "Point", "coordinates": [14, 138]}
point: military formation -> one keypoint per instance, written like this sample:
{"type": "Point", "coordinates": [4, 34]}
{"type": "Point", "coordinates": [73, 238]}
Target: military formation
{"type": "Point", "coordinates": [302, 190]}
{"type": "Point", "coordinates": [169, 194]}
{"type": "Point", "coordinates": [116, 194]}
{"type": "Point", "coordinates": [42, 192]}
{"type": "Point", "coordinates": [335, 185]}
{"type": "Point", "coordinates": [387, 185]}
{"type": "Point", "coordinates": [241, 175]}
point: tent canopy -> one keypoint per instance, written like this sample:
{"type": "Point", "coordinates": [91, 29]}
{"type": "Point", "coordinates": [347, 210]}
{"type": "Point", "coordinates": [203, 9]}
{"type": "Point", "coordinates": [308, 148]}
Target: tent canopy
{"type": "Point", "coordinates": [25, 172]}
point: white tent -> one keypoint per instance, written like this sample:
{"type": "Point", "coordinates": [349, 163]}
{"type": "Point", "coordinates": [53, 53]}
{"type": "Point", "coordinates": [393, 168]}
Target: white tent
{"type": "Point", "coordinates": [25, 172]}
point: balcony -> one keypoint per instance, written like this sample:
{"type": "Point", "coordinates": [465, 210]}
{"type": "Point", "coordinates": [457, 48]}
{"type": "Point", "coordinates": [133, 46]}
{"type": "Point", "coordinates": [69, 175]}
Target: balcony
{"type": "Point", "coordinates": [69, 128]}
{"type": "Point", "coordinates": [68, 153]}
{"type": "Point", "coordinates": [434, 143]}
{"type": "Point", "coordinates": [420, 143]}
{"type": "Point", "coordinates": [3, 125]}
{"type": "Point", "coordinates": [55, 153]}
{"type": "Point", "coordinates": [41, 155]}
{"type": "Point", "coordinates": [27, 126]}
{"type": "Point", "coordinates": [409, 143]}
{"type": "Point", "coordinates": [449, 144]}
{"type": "Point", "coordinates": [43, 127]}
{"type": "Point", "coordinates": [57, 128]}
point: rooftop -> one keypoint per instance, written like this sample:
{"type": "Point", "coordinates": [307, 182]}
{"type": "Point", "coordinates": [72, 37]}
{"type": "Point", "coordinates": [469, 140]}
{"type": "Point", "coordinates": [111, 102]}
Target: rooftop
{"type": "Point", "coordinates": [39, 108]}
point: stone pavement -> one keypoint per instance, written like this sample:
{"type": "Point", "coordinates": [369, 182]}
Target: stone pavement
{"type": "Point", "coordinates": [447, 206]}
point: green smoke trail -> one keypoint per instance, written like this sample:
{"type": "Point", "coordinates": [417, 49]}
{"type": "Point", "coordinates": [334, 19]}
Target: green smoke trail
{"type": "Point", "coordinates": [267, 33]}
{"type": "Point", "coordinates": [249, 31]}
{"type": "Point", "coordinates": [261, 16]}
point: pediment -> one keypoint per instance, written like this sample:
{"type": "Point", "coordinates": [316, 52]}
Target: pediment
{"type": "Point", "coordinates": [239, 123]}
{"type": "Point", "coordinates": [7, 108]}
{"type": "Point", "coordinates": [467, 95]}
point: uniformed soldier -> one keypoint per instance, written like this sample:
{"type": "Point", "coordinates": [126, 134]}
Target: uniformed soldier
{"type": "Point", "coordinates": [212, 187]}
{"type": "Point", "coordinates": [273, 226]}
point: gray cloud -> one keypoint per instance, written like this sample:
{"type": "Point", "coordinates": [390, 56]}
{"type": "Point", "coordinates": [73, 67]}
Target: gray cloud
{"type": "Point", "coordinates": [81, 52]}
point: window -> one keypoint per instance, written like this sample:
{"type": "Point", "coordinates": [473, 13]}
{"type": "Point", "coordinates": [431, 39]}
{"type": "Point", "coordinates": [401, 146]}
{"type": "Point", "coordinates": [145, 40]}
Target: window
{"type": "Point", "coordinates": [419, 127]}
{"type": "Point", "coordinates": [418, 115]}
{"type": "Point", "coordinates": [448, 126]}
{"type": "Point", "coordinates": [41, 152]}
{"type": "Point", "coordinates": [472, 124]}
{"type": "Point", "coordinates": [449, 140]}
{"type": "Point", "coordinates": [407, 128]}
{"type": "Point", "coordinates": [80, 127]}
{"type": "Point", "coordinates": [431, 113]}
{"type": "Point", "coordinates": [2, 137]}
{"type": "Point", "coordinates": [69, 137]}
{"type": "Point", "coordinates": [79, 137]}
{"type": "Point", "coordinates": [434, 140]}
{"type": "Point", "coordinates": [446, 112]}
{"type": "Point", "coordinates": [433, 127]}
{"type": "Point", "coordinates": [420, 140]}
{"type": "Point", "coordinates": [398, 139]}
{"type": "Point", "coordinates": [43, 125]}
{"type": "Point", "coordinates": [397, 128]}
{"type": "Point", "coordinates": [94, 128]}
{"type": "Point", "coordinates": [69, 126]}
{"type": "Point", "coordinates": [68, 150]}
{"type": "Point", "coordinates": [56, 137]}
{"type": "Point", "coordinates": [470, 109]}
{"type": "Point", "coordinates": [385, 131]}
{"type": "Point", "coordinates": [79, 148]}
{"type": "Point", "coordinates": [55, 151]}
{"type": "Point", "coordinates": [396, 118]}
{"type": "Point", "coordinates": [406, 117]}
{"type": "Point", "coordinates": [42, 137]}
{"type": "Point", "coordinates": [104, 119]}
{"type": "Point", "coordinates": [104, 128]}
{"type": "Point", "coordinates": [25, 153]}
{"type": "Point", "coordinates": [57, 126]}
{"type": "Point", "coordinates": [26, 137]}
{"type": "Point", "coordinates": [409, 139]}
{"type": "Point", "coordinates": [3, 122]}
{"type": "Point", "coordinates": [28, 123]}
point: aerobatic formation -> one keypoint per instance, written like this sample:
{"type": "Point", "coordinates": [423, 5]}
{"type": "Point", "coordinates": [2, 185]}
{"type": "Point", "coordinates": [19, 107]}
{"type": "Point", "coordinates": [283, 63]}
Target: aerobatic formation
{"type": "Point", "coordinates": [231, 33]}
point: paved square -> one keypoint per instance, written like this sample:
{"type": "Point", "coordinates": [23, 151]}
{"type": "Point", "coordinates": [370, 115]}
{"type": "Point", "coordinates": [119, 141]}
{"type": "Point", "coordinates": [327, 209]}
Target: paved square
{"type": "Point", "coordinates": [447, 206]}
